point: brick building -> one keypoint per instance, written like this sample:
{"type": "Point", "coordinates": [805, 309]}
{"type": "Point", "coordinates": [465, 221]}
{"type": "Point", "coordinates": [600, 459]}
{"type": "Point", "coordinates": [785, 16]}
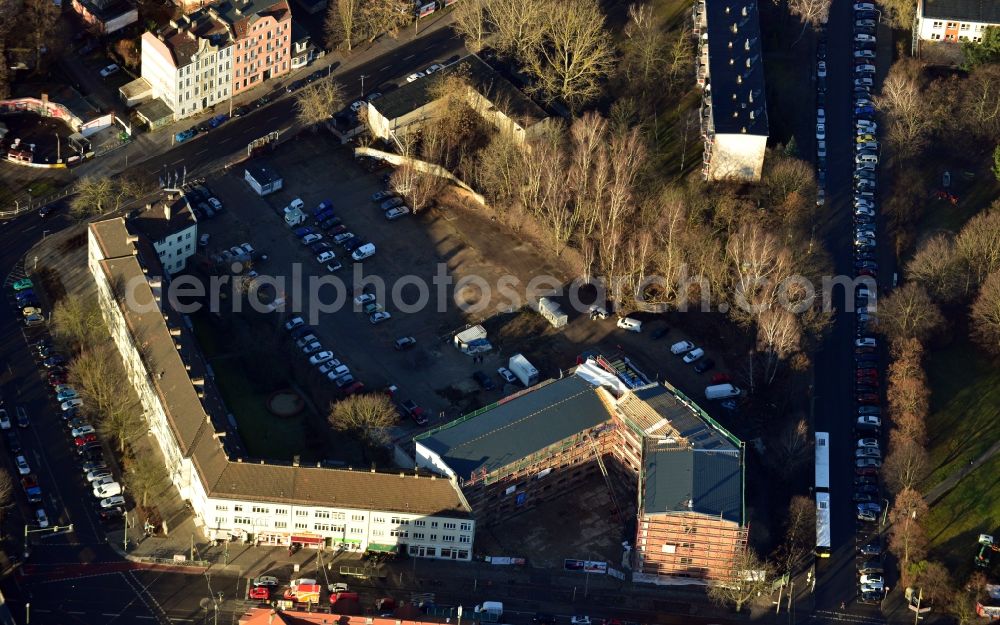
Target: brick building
{"type": "Point", "coordinates": [263, 41]}
{"type": "Point", "coordinates": [684, 470]}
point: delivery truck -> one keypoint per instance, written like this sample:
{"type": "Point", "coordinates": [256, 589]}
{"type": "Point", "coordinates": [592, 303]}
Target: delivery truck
{"type": "Point", "coordinates": [489, 611]}
{"type": "Point", "coordinates": [523, 370]}
{"type": "Point", "coordinates": [721, 391]}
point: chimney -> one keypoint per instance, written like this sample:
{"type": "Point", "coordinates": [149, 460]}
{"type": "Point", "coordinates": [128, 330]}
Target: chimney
{"type": "Point", "coordinates": [167, 207]}
{"type": "Point", "coordinates": [295, 460]}
{"type": "Point", "coordinates": [149, 205]}
{"type": "Point", "coordinates": [175, 331]}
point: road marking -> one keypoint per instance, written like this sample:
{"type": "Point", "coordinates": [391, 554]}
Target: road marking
{"type": "Point", "coordinates": [407, 58]}
{"type": "Point", "coordinates": [113, 614]}
{"type": "Point", "coordinates": [199, 152]}
{"type": "Point", "coordinates": [385, 68]}
{"type": "Point", "coordinates": [178, 161]}
{"type": "Point", "coordinates": [73, 612]}
{"type": "Point", "coordinates": [226, 139]}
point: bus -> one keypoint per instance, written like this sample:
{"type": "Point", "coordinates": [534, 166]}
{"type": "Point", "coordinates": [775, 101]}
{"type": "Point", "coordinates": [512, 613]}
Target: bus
{"type": "Point", "coordinates": [822, 492]}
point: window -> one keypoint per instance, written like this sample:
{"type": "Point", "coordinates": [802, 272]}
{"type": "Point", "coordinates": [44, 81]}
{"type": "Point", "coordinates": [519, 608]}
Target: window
{"type": "Point", "coordinates": [434, 537]}
{"type": "Point", "coordinates": [241, 520]}
{"type": "Point", "coordinates": [448, 538]}
{"type": "Point", "coordinates": [464, 538]}
{"type": "Point", "coordinates": [685, 560]}
{"type": "Point", "coordinates": [238, 508]}
{"type": "Point", "coordinates": [301, 513]}
{"type": "Point", "coordinates": [281, 511]}
{"type": "Point", "coordinates": [301, 526]}
{"type": "Point", "coordinates": [220, 521]}
{"type": "Point", "coordinates": [221, 508]}
{"type": "Point", "coordinates": [280, 524]}
{"type": "Point", "coordinates": [260, 510]}
{"type": "Point", "coordinates": [445, 552]}
{"type": "Point", "coordinates": [418, 536]}
{"type": "Point", "coordinates": [321, 515]}
{"type": "Point", "coordinates": [337, 528]}
{"type": "Point", "coordinates": [378, 519]}
{"type": "Point", "coordinates": [434, 524]}
{"type": "Point", "coordinates": [466, 527]}
{"type": "Point", "coordinates": [450, 526]}
{"type": "Point", "coordinates": [322, 527]}
{"type": "Point", "coordinates": [419, 523]}
{"type": "Point", "coordinates": [400, 533]}
{"type": "Point", "coordinates": [357, 530]}
{"type": "Point", "coordinates": [187, 248]}
{"type": "Point", "coordinates": [377, 533]}
{"type": "Point", "coordinates": [357, 517]}
{"type": "Point", "coordinates": [937, 24]}
{"type": "Point", "coordinates": [463, 554]}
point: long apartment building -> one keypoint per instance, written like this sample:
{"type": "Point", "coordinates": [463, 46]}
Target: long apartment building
{"type": "Point", "coordinates": [236, 498]}
{"type": "Point", "coordinates": [684, 470]}
{"type": "Point", "coordinates": [730, 70]}
{"type": "Point", "coordinates": [954, 21]}
{"type": "Point", "coordinates": [204, 58]}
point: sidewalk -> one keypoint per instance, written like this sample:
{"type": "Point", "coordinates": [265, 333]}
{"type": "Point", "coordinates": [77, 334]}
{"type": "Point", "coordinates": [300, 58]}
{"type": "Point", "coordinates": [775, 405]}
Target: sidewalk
{"type": "Point", "coordinates": [952, 480]}
{"type": "Point", "coordinates": [150, 144]}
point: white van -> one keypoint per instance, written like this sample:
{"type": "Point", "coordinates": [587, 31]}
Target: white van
{"type": "Point", "coordinates": [870, 159]}
{"type": "Point", "coordinates": [630, 324]}
{"type": "Point", "coordinates": [722, 391]}
{"type": "Point", "coordinates": [365, 251]}
{"type": "Point", "coordinates": [681, 347]}
{"type": "Point", "coordinates": [296, 204]}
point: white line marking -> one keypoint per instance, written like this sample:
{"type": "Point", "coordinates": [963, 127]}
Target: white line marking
{"type": "Point", "coordinates": [201, 152]}
{"type": "Point", "coordinates": [407, 58]}
{"type": "Point", "coordinates": [226, 139]}
{"type": "Point", "coordinates": [385, 68]}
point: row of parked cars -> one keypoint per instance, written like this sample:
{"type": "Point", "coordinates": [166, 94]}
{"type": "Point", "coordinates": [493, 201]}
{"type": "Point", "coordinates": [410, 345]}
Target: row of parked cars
{"type": "Point", "coordinates": [323, 359]}
{"type": "Point", "coordinates": [867, 495]}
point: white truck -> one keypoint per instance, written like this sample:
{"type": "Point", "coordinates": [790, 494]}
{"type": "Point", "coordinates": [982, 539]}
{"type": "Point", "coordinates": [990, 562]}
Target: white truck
{"type": "Point", "coordinates": [294, 215]}
{"type": "Point", "coordinates": [722, 391]}
{"type": "Point", "coordinates": [524, 370]}
{"type": "Point", "coordinates": [489, 611]}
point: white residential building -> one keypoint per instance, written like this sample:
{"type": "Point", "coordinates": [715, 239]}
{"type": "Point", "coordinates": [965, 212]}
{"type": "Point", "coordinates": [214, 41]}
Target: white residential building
{"type": "Point", "coordinates": [235, 498]}
{"type": "Point", "coordinates": [189, 64]}
{"type": "Point", "coordinates": [172, 228]}
{"type": "Point", "coordinates": [955, 20]}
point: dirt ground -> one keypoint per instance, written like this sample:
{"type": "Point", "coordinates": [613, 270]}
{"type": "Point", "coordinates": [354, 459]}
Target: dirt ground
{"type": "Point", "coordinates": [580, 525]}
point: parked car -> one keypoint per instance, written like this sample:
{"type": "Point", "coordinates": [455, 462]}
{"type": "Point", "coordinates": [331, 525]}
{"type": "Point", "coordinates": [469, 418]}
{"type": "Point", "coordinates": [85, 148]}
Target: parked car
{"type": "Point", "coordinates": [109, 70]}
{"type": "Point", "coordinates": [22, 465]}
{"type": "Point", "coordinates": [484, 381]}
{"type": "Point", "coordinates": [113, 501]}
{"type": "Point", "coordinates": [507, 376]}
{"type": "Point", "coordinates": [694, 355]}
{"type": "Point", "coordinates": [404, 343]}
{"type": "Point", "coordinates": [414, 411]}
{"type": "Point", "coordinates": [397, 212]}
{"type": "Point", "coordinates": [379, 317]}
{"type": "Point", "coordinates": [4, 420]}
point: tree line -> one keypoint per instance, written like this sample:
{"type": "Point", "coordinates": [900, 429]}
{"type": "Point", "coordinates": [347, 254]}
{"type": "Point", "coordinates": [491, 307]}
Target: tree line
{"type": "Point", "coordinates": [98, 373]}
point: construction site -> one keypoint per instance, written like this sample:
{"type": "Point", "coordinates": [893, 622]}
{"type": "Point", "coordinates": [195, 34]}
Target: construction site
{"type": "Point", "coordinates": [673, 477]}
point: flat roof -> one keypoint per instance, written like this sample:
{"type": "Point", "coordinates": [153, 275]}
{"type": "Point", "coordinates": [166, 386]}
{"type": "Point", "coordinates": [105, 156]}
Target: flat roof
{"type": "Point", "coordinates": [985, 11]}
{"type": "Point", "coordinates": [516, 428]}
{"type": "Point", "coordinates": [196, 414]}
{"type": "Point", "coordinates": [135, 88]}
{"type": "Point", "coordinates": [736, 67]}
{"type": "Point", "coordinates": [154, 110]}
{"type": "Point", "coordinates": [481, 77]}
{"type": "Point", "coordinates": [263, 174]}
{"type": "Point", "coordinates": [685, 479]}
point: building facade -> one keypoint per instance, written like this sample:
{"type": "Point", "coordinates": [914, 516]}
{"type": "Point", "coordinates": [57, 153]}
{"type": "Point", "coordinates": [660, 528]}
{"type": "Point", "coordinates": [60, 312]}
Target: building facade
{"type": "Point", "coordinates": [107, 16]}
{"type": "Point", "coordinates": [954, 21]}
{"type": "Point", "coordinates": [730, 70]}
{"type": "Point", "coordinates": [188, 64]}
{"type": "Point", "coordinates": [236, 498]}
{"type": "Point", "coordinates": [683, 469]}
{"type": "Point", "coordinates": [172, 228]}
{"type": "Point", "coordinates": [263, 42]}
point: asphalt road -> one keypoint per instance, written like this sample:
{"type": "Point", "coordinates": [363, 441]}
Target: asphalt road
{"type": "Point", "coordinates": [833, 392]}
{"type": "Point", "coordinates": [380, 74]}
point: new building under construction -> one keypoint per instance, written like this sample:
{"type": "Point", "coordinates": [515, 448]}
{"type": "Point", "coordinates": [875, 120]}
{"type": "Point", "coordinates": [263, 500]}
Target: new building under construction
{"type": "Point", "coordinates": [683, 470]}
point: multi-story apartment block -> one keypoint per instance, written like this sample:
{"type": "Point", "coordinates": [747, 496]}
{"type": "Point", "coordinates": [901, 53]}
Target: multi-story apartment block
{"type": "Point", "coordinates": [171, 227]}
{"type": "Point", "coordinates": [236, 498]}
{"type": "Point", "coordinates": [731, 71]}
{"type": "Point", "coordinates": [683, 470]}
{"type": "Point", "coordinates": [263, 41]}
{"type": "Point", "coordinates": [189, 63]}
{"type": "Point", "coordinates": [954, 20]}
{"type": "Point", "coordinates": [207, 56]}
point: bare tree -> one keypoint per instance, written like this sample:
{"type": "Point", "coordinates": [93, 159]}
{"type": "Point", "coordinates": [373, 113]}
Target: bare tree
{"type": "Point", "coordinates": [575, 54]}
{"type": "Point", "coordinates": [339, 23]}
{"type": "Point", "coordinates": [747, 578]}
{"type": "Point", "coordinates": [812, 12]}
{"type": "Point", "coordinates": [758, 264]}
{"type": "Point", "coordinates": [99, 374]}
{"type": "Point", "coordinates": [909, 312]}
{"type": "Point", "coordinates": [472, 23]}
{"type": "Point", "coordinates": [935, 581]}
{"type": "Point", "coordinates": [680, 54]}
{"type": "Point", "coordinates": [6, 495]}
{"type": "Point", "coordinates": [518, 26]}
{"type": "Point", "coordinates": [800, 535]}
{"type": "Point", "coordinates": [985, 314]}
{"type": "Point", "coordinates": [128, 51]}
{"type": "Point", "coordinates": [383, 16]}
{"type": "Point", "coordinates": [40, 17]}
{"type": "Point", "coordinates": [903, 101]}
{"type": "Point", "coordinates": [778, 337]}
{"type": "Point", "coordinates": [318, 102]}
{"type": "Point", "coordinates": [77, 321]}
{"type": "Point", "coordinates": [899, 13]}
{"type": "Point", "coordinates": [93, 197]}
{"type": "Point", "coordinates": [978, 244]}
{"type": "Point", "coordinates": [644, 49]}
{"type": "Point", "coordinates": [937, 266]}
{"type": "Point", "coordinates": [793, 449]}
{"type": "Point", "coordinates": [906, 464]}
{"type": "Point", "coordinates": [978, 109]}
{"type": "Point", "coordinates": [146, 476]}
{"type": "Point", "coordinates": [907, 539]}
{"type": "Point", "coordinates": [369, 415]}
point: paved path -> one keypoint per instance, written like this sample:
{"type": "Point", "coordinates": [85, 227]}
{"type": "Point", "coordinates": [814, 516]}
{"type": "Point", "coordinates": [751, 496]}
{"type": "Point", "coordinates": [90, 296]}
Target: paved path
{"type": "Point", "coordinates": [952, 480]}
